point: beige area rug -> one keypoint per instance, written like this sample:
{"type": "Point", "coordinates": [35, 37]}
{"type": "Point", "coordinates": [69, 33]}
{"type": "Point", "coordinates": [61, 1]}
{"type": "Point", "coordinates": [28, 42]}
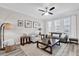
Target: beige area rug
{"type": "Point", "coordinates": [17, 52]}
{"type": "Point", "coordinates": [32, 50]}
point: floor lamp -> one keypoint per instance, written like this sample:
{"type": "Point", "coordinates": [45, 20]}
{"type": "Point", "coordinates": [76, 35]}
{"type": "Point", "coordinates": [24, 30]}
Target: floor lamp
{"type": "Point", "coordinates": [3, 27]}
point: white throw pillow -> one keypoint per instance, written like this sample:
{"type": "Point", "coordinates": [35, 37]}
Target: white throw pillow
{"type": "Point", "coordinates": [63, 35]}
{"type": "Point", "coordinates": [56, 35]}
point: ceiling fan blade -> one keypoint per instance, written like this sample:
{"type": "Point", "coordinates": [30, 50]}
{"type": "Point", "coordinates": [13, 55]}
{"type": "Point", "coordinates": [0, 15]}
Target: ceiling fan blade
{"type": "Point", "coordinates": [41, 10]}
{"type": "Point", "coordinates": [50, 13]}
{"type": "Point", "coordinates": [43, 14]}
{"type": "Point", "coordinates": [51, 8]}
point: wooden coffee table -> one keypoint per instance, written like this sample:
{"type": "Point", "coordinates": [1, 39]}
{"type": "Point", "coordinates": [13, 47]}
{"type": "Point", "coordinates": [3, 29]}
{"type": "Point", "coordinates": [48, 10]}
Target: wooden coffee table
{"type": "Point", "coordinates": [55, 42]}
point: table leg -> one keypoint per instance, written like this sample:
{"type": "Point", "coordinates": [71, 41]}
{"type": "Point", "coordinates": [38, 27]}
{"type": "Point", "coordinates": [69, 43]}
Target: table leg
{"type": "Point", "coordinates": [59, 43]}
{"type": "Point", "coordinates": [29, 40]}
{"type": "Point", "coordinates": [21, 41]}
{"type": "Point", "coordinates": [51, 50]}
{"type": "Point", "coordinates": [37, 44]}
{"type": "Point", "coordinates": [26, 40]}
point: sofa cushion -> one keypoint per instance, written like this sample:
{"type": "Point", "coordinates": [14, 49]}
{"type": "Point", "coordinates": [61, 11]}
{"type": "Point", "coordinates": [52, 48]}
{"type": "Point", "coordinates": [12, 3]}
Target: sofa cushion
{"type": "Point", "coordinates": [55, 35]}
{"type": "Point", "coordinates": [63, 35]}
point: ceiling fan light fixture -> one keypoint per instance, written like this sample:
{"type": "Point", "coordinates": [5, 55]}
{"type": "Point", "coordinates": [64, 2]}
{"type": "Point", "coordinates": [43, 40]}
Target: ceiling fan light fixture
{"type": "Point", "coordinates": [46, 13]}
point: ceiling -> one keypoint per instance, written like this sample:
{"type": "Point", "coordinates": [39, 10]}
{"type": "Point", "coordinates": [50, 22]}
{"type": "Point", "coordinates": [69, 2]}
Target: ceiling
{"type": "Point", "coordinates": [61, 9]}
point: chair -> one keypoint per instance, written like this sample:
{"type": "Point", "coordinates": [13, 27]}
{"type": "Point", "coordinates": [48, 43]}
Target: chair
{"type": "Point", "coordinates": [35, 38]}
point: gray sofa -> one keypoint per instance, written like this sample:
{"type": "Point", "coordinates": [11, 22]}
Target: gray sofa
{"type": "Point", "coordinates": [61, 36]}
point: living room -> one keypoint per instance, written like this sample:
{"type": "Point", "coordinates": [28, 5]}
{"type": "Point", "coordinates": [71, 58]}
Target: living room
{"type": "Point", "coordinates": [30, 20]}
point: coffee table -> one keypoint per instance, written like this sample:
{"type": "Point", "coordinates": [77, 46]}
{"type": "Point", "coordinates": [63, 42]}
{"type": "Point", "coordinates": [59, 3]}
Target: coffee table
{"type": "Point", "coordinates": [48, 45]}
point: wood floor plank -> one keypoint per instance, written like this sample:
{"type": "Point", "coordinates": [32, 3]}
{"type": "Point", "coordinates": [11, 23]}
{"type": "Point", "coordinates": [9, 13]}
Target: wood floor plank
{"type": "Point", "coordinates": [77, 51]}
{"type": "Point", "coordinates": [71, 50]}
{"type": "Point", "coordinates": [66, 50]}
{"type": "Point", "coordinates": [59, 53]}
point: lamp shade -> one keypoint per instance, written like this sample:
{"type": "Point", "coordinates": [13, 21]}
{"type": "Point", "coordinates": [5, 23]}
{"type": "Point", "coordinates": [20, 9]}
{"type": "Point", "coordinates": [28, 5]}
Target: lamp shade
{"type": "Point", "coordinates": [50, 33]}
{"type": "Point", "coordinates": [8, 26]}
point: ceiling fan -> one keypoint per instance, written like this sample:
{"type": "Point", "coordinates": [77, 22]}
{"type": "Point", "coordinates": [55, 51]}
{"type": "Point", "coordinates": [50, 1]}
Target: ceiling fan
{"type": "Point", "coordinates": [47, 10]}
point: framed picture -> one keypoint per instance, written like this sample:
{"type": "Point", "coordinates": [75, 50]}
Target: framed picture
{"type": "Point", "coordinates": [36, 24]}
{"type": "Point", "coordinates": [20, 23]}
{"type": "Point", "coordinates": [28, 24]}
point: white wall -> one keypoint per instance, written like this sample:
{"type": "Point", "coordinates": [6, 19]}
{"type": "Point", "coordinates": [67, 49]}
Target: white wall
{"type": "Point", "coordinates": [77, 23]}
{"type": "Point", "coordinates": [12, 17]}
{"type": "Point", "coordinates": [73, 27]}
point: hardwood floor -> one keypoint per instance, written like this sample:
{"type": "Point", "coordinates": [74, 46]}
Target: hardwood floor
{"type": "Point", "coordinates": [63, 50]}
{"type": "Point", "coordinates": [32, 50]}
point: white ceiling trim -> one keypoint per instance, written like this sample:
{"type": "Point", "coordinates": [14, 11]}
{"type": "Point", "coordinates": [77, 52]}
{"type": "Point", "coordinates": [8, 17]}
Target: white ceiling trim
{"type": "Point", "coordinates": [62, 9]}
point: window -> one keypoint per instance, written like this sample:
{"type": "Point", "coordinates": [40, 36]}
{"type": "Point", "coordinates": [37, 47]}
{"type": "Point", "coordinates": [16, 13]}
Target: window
{"type": "Point", "coordinates": [49, 24]}
{"type": "Point", "coordinates": [57, 25]}
{"type": "Point", "coordinates": [67, 25]}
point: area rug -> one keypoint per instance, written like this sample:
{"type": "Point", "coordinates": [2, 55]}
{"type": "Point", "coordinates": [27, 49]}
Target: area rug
{"type": "Point", "coordinates": [17, 52]}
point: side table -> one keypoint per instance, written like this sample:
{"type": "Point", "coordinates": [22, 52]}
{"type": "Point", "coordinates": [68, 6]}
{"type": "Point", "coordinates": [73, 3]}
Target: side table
{"type": "Point", "coordinates": [25, 39]}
